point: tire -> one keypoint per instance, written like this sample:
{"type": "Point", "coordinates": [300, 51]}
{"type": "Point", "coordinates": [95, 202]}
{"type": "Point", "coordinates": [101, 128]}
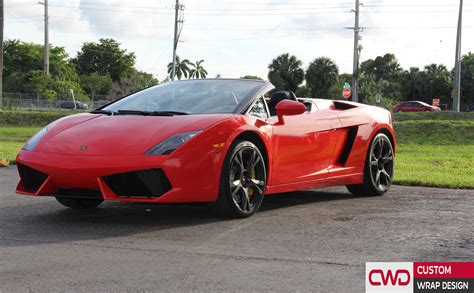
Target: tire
{"type": "Point", "coordinates": [242, 183]}
{"type": "Point", "coordinates": [378, 169]}
{"type": "Point", "coordinates": [79, 203]}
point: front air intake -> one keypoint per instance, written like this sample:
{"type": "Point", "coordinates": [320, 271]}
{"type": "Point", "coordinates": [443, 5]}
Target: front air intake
{"type": "Point", "coordinates": [32, 179]}
{"type": "Point", "coordinates": [150, 183]}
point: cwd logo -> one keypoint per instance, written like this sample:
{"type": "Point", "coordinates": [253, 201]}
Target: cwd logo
{"type": "Point", "coordinates": [389, 277]}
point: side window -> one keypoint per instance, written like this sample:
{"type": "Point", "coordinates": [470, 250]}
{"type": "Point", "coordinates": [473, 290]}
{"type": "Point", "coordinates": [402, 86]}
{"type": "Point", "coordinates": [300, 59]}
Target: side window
{"type": "Point", "coordinates": [259, 109]}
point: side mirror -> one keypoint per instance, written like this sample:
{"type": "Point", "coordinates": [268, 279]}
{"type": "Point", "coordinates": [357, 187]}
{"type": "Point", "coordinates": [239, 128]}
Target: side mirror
{"type": "Point", "coordinates": [289, 108]}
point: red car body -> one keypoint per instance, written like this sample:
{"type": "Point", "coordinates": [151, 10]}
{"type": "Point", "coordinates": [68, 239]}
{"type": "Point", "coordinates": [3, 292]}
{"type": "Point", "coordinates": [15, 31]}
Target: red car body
{"type": "Point", "coordinates": [415, 106]}
{"type": "Point", "coordinates": [325, 146]}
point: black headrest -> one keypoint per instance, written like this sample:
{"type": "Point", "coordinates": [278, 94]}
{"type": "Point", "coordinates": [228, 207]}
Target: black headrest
{"type": "Point", "coordinates": [283, 95]}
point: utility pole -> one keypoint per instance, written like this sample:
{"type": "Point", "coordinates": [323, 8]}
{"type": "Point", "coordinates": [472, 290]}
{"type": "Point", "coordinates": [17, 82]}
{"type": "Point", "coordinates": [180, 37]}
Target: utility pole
{"type": "Point", "coordinates": [177, 32]}
{"type": "Point", "coordinates": [46, 39]}
{"type": "Point", "coordinates": [1, 53]}
{"type": "Point", "coordinates": [355, 65]}
{"type": "Point", "coordinates": [457, 66]}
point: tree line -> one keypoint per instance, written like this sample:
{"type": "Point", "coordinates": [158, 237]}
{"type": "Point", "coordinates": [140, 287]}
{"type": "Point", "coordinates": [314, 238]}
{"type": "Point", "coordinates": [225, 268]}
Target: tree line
{"type": "Point", "coordinates": [382, 75]}
{"type": "Point", "coordinates": [100, 69]}
{"type": "Point", "coordinates": [104, 68]}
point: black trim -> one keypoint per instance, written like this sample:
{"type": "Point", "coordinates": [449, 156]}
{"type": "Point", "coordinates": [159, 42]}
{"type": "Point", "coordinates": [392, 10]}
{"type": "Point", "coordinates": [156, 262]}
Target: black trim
{"type": "Point", "coordinates": [348, 144]}
{"type": "Point", "coordinates": [343, 106]}
{"type": "Point", "coordinates": [78, 193]}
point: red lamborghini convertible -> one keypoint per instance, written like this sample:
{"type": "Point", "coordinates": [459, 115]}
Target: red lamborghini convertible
{"type": "Point", "coordinates": [218, 141]}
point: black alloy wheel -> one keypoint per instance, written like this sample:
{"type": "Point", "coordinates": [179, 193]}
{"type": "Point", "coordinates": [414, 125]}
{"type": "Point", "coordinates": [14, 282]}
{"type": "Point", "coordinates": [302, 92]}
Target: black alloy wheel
{"type": "Point", "coordinates": [243, 181]}
{"type": "Point", "coordinates": [378, 170]}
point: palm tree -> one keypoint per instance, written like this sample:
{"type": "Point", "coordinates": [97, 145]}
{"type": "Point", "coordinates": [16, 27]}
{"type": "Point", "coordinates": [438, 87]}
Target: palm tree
{"type": "Point", "coordinates": [321, 75]}
{"type": "Point", "coordinates": [198, 71]}
{"type": "Point", "coordinates": [182, 68]}
{"type": "Point", "coordinates": [285, 72]}
{"type": "Point", "coordinates": [437, 82]}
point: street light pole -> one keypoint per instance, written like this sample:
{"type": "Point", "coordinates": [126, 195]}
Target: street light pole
{"type": "Point", "coordinates": [175, 40]}
{"type": "Point", "coordinates": [355, 65]}
{"type": "Point", "coordinates": [46, 39]}
{"type": "Point", "coordinates": [457, 67]}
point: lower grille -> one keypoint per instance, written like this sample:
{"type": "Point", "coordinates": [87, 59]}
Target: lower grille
{"type": "Point", "coordinates": [150, 183]}
{"type": "Point", "coordinates": [32, 179]}
{"type": "Point", "coordinates": [79, 193]}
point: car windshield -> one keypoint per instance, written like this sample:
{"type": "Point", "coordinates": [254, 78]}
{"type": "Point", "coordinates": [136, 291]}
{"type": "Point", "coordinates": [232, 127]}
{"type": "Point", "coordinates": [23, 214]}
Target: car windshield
{"type": "Point", "coordinates": [188, 97]}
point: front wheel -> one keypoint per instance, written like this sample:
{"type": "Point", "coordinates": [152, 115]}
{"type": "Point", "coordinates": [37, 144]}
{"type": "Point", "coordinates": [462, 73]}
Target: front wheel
{"type": "Point", "coordinates": [378, 170]}
{"type": "Point", "coordinates": [243, 181]}
{"type": "Point", "coordinates": [79, 203]}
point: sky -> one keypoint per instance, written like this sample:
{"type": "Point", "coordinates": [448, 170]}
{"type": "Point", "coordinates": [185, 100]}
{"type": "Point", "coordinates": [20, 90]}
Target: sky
{"type": "Point", "coordinates": [241, 37]}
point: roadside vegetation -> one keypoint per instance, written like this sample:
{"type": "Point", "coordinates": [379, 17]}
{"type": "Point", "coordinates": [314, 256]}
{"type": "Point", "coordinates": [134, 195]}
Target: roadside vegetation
{"type": "Point", "coordinates": [434, 149]}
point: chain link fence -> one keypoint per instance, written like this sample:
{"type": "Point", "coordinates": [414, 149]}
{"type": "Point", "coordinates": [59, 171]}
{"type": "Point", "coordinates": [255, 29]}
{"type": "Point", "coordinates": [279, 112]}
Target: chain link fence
{"type": "Point", "coordinates": [35, 101]}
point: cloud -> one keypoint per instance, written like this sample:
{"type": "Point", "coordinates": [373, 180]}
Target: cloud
{"type": "Point", "coordinates": [238, 37]}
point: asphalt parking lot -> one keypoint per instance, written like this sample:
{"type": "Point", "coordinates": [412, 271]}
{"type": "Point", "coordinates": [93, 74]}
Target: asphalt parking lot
{"type": "Point", "coordinates": [302, 241]}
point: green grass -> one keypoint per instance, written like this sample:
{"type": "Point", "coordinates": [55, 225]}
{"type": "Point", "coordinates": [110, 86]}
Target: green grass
{"type": "Point", "coordinates": [435, 149]}
{"type": "Point", "coordinates": [31, 118]}
{"type": "Point", "coordinates": [450, 166]}
{"type": "Point", "coordinates": [13, 138]}
{"type": "Point", "coordinates": [443, 115]}
{"type": "Point", "coordinates": [435, 132]}
{"type": "Point", "coordinates": [9, 149]}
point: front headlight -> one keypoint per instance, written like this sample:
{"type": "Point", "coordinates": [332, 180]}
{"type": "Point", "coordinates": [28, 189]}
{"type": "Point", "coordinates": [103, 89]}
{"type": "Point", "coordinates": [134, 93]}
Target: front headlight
{"type": "Point", "coordinates": [33, 142]}
{"type": "Point", "coordinates": [171, 143]}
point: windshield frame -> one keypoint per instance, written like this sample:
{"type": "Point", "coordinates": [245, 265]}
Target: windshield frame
{"type": "Point", "coordinates": [240, 108]}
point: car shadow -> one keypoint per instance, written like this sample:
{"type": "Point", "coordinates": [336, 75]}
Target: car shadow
{"type": "Point", "coordinates": [40, 222]}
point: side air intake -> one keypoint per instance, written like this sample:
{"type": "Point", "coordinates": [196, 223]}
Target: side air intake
{"type": "Point", "coordinates": [32, 179]}
{"type": "Point", "coordinates": [346, 150]}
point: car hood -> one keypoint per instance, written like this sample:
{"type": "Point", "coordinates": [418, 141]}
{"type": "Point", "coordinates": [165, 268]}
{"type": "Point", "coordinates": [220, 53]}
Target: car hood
{"type": "Point", "coordinates": [97, 135]}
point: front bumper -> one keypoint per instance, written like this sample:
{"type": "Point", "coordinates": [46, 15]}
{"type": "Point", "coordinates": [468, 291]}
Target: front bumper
{"type": "Point", "coordinates": [167, 179]}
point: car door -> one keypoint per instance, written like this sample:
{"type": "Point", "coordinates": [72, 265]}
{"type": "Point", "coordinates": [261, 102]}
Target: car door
{"type": "Point", "coordinates": [411, 107]}
{"type": "Point", "coordinates": [303, 146]}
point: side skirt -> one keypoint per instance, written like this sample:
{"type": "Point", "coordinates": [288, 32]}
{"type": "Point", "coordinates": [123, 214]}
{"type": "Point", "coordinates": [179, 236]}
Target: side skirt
{"type": "Point", "coordinates": [320, 183]}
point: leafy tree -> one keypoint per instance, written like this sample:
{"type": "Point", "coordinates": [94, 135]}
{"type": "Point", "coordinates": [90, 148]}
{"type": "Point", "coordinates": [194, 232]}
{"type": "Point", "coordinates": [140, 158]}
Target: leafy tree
{"type": "Point", "coordinates": [105, 58]}
{"type": "Point", "coordinates": [285, 72]}
{"type": "Point", "coordinates": [198, 70]}
{"type": "Point", "coordinates": [410, 84]}
{"type": "Point", "coordinates": [437, 82]}
{"type": "Point", "coordinates": [23, 63]}
{"type": "Point", "coordinates": [303, 91]}
{"type": "Point", "coordinates": [137, 81]}
{"type": "Point", "coordinates": [467, 80]}
{"type": "Point", "coordinates": [382, 67]}
{"type": "Point", "coordinates": [321, 75]}
{"type": "Point", "coordinates": [254, 77]}
{"type": "Point", "coordinates": [370, 87]}
{"type": "Point", "coordinates": [182, 68]}
{"type": "Point", "coordinates": [96, 84]}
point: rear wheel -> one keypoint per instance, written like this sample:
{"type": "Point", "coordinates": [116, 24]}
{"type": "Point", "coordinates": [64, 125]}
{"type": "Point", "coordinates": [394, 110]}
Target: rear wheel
{"type": "Point", "coordinates": [378, 170]}
{"type": "Point", "coordinates": [243, 181]}
{"type": "Point", "coordinates": [79, 203]}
